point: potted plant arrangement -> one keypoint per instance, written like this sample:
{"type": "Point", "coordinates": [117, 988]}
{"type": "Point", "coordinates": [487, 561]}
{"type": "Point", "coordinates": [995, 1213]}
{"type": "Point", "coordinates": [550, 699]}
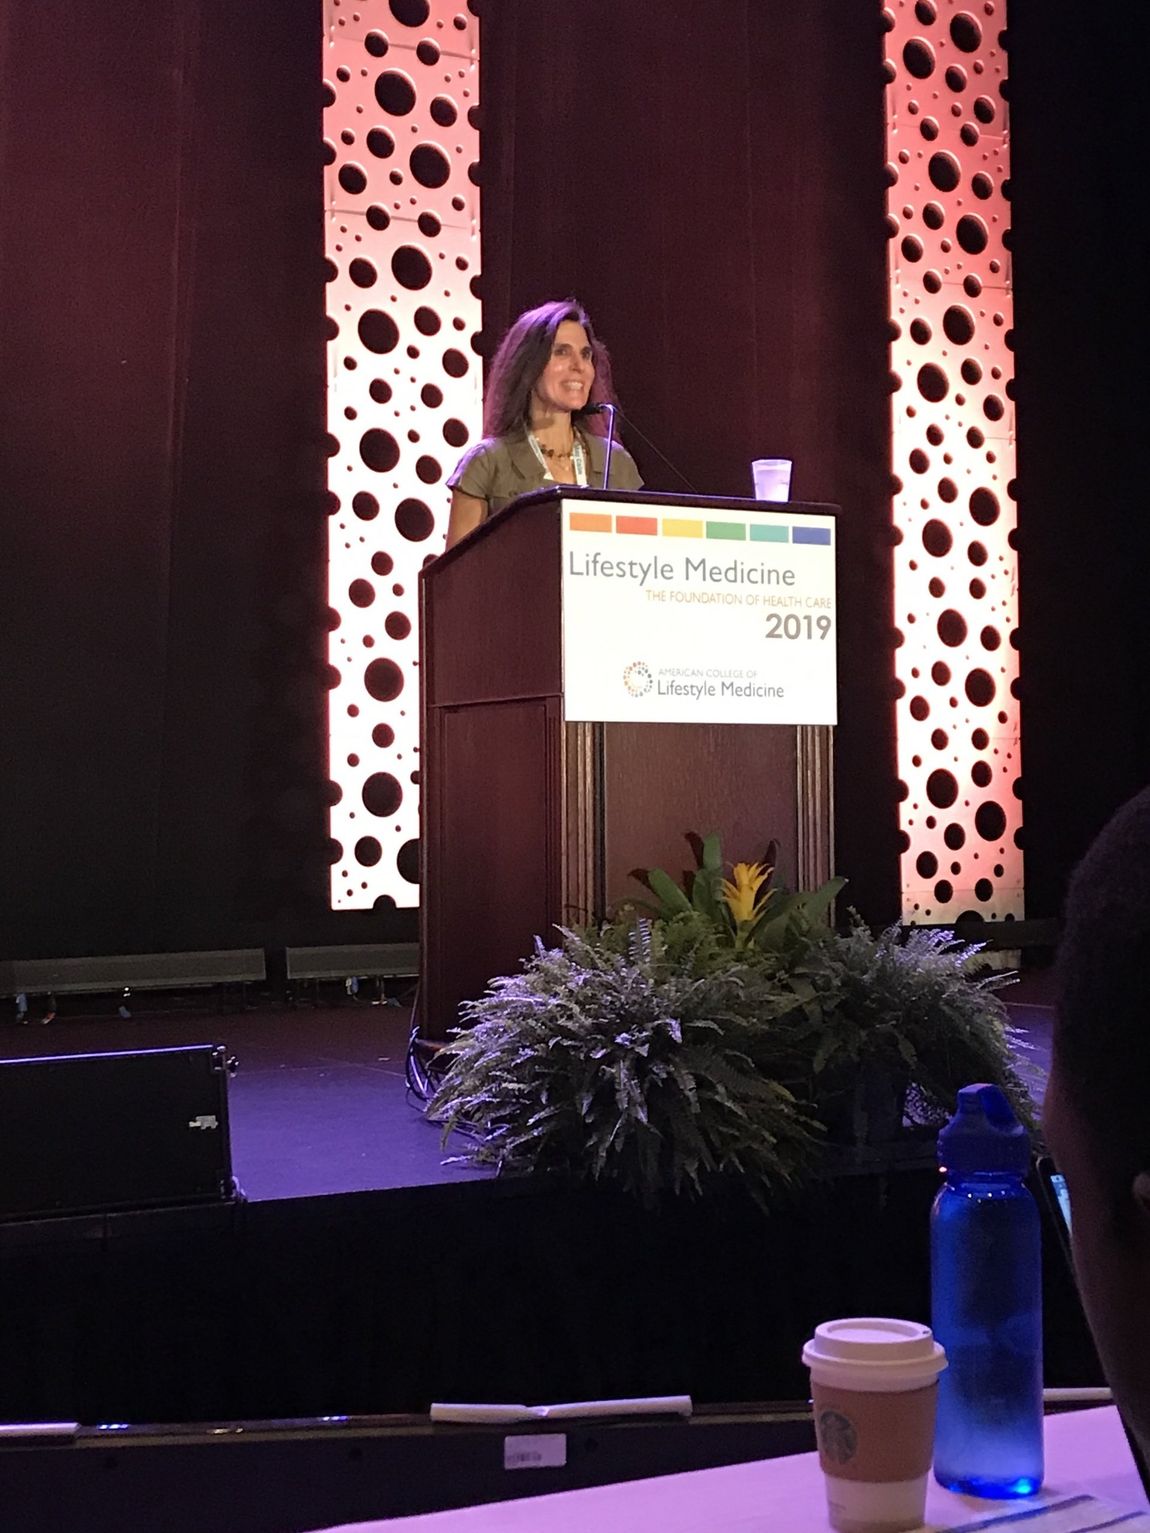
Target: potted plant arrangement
{"type": "Point", "coordinates": [721, 1029]}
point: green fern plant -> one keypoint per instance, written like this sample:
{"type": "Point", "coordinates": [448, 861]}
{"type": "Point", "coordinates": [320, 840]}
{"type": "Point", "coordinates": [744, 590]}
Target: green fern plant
{"type": "Point", "coordinates": [728, 1032]}
{"type": "Point", "coordinates": [911, 1005]}
{"type": "Point", "coordinates": [626, 1066]}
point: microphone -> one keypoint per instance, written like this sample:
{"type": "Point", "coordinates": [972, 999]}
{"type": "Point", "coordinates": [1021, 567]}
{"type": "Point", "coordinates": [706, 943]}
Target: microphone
{"type": "Point", "coordinates": [609, 410]}
{"type": "Point", "coordinates": [610, 445]}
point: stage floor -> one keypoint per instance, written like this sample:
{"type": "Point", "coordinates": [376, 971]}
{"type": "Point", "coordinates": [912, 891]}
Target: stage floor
{"type": "Point", "coordinates": [319, 1104]}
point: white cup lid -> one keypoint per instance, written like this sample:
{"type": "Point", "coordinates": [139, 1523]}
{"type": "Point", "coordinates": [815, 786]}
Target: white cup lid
{"type": "Point", "coordinates": [875, 1346]}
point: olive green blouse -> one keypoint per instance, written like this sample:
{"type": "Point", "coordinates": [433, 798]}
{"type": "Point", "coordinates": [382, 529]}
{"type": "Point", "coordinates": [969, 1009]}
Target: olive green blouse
{"type": "Point", "coordinates": [497, 469]}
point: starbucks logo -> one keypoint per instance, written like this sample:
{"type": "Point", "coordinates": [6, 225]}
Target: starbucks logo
{"type": "Point", "coordinates": [637, 678]}
{"type": "Point", "coordinates": [838, 1440]}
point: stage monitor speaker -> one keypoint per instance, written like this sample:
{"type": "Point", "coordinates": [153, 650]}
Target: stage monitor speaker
{"type": "Point", "coordinates": [100, 1133]}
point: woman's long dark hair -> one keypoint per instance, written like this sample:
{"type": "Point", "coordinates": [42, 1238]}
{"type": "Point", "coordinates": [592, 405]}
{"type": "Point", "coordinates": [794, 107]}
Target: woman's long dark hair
{"type": "Point", "coordinates": [523, 354]}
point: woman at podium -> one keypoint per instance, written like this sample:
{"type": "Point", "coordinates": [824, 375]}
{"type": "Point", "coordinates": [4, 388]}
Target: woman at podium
{"type": "Point", "coordinates": [542, 418]}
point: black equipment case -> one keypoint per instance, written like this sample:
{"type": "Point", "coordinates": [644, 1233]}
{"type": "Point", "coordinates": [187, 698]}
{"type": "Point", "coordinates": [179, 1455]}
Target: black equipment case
{"type": "Point", "coordinates": [96, 1133]}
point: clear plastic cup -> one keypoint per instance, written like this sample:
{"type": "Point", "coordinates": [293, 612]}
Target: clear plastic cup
{"type": "Point", "coordinates": [874, 1388]}
{"type": "Point", "coordinates": [772, 478]}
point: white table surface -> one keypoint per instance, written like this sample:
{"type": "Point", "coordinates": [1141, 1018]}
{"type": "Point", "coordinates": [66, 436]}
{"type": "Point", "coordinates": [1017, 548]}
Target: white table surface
{"type": "Point", "coordinates": [1085, 1451]}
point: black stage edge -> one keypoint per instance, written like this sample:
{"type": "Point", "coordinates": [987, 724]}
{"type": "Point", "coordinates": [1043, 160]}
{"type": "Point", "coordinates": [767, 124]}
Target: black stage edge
{"type": "Point", "coordinates": [497, 1290]}
{"type": "Point", "coordinates": [287, 1477]}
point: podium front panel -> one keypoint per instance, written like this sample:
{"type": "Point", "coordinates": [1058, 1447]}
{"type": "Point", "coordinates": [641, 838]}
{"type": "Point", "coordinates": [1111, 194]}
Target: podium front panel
{"type": "Point", "coordinates": [662, 780]}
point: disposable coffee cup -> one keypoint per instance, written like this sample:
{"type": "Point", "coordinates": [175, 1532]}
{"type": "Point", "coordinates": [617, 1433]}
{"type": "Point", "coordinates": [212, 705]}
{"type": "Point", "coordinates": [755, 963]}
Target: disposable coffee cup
{"type": "Point", "coordinates": [772, 478]}
{"type": "Point", "coordinates": [874, 1388]}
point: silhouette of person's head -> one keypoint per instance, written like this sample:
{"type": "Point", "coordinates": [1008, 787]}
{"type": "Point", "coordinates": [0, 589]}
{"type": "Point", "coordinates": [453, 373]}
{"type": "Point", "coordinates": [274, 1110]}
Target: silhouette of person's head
{"type": "Point", "coordinates": [1097, 1112]}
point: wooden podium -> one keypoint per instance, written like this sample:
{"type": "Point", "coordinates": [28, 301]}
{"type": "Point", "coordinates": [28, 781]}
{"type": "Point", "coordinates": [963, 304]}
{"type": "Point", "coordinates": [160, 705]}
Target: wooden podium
{"type": "Point", "coordinates": [531, 820]}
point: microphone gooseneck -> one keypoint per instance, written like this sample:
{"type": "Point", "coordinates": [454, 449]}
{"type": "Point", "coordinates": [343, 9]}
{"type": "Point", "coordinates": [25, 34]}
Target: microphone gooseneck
{"type": "Point", "coordinates": [610, 444]}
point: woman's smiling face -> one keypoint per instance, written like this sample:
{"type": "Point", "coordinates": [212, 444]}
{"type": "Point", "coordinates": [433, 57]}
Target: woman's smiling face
{"type": "Point", "coordinates": [565, 382]}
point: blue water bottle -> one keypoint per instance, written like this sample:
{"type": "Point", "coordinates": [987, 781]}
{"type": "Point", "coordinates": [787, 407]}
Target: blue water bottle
{"type": "Point", "coordinates": [986, 1301]}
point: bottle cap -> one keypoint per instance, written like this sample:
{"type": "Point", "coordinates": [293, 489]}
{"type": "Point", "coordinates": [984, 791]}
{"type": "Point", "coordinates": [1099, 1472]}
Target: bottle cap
{"type": "Point", "coordinates": [984, 1134]}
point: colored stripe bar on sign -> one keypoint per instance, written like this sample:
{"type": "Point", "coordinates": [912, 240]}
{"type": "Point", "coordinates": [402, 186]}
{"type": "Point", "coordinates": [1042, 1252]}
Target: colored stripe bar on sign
{"type": "Point", "coordinates": [675, 527]}
{"type": "Point", "coordinates": [769, 532]}
{"type": "Point", "coordinates": [645, 526]}
{"type": "Point", "coordinates": [734, 532]}
{"type": "Point", "coordinates": [811, 535]}
{"type": "Point", "coordinates": [588, 521]}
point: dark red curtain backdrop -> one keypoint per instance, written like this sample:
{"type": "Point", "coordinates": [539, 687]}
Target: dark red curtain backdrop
{"type": "Point", "coordinates": [1081, 259]}
{"type": "Point", "coordinates": [162, 473]}
{"type": "Point", "coordinates": [708, 179]}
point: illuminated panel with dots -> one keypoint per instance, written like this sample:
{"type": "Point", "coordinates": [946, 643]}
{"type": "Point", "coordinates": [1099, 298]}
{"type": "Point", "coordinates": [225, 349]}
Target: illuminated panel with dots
{"type": "Point", "coordinates": [955, 575]}
{"type": "Point", "coordinates": [404, 389]}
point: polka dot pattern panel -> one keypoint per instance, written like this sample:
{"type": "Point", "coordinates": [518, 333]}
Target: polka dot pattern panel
{"type": "Point", "coordinates": [956, 574]}
{"type": "Point", "coordinates": [404, 395]}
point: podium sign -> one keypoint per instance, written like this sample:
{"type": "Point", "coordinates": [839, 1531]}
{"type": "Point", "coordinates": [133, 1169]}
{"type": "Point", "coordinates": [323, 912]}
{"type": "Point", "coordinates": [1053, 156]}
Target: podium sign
{"type": "Point", "coordinates": [697, 615]}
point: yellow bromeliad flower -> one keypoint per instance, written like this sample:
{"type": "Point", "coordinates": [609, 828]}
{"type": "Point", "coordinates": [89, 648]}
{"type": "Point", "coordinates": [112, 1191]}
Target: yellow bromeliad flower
{"type": "Point", "coordinates": [742, 895]}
